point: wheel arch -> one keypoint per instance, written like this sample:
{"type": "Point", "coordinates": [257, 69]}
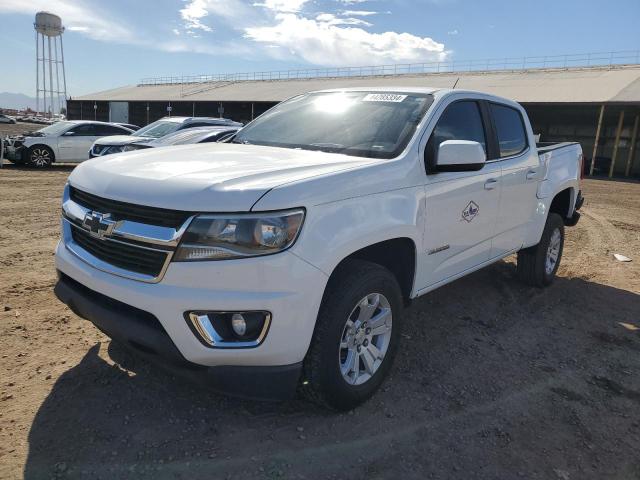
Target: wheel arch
{"type": "Point", "coordinates": [398, 255]}
{"type": "Point", "coordinates": [562, 203]}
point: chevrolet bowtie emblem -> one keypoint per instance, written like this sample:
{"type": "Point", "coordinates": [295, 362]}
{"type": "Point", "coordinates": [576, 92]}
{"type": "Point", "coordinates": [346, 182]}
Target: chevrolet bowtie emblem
{"type": "Point", "coordinates": [98, 224]}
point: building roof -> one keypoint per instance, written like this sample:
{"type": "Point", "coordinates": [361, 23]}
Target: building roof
{"type": "Point", "coordinates": [568, 85]}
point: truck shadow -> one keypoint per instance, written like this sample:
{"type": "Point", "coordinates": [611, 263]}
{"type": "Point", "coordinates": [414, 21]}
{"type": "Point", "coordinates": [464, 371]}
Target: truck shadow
{"type": "Point", "coordinates": [488, 367]}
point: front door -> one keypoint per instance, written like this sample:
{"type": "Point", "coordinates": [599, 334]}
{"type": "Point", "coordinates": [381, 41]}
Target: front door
{"type": "Point", "coordinates": [461, 207]}
{"type": "Point", "coordinates": [75, 144]}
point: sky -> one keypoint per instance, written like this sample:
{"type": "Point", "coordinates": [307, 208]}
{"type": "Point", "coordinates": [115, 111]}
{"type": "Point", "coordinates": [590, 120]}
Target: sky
{"type": "Point", "coordinates": [118, 42]}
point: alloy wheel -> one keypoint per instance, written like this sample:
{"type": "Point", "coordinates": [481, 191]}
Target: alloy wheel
{"type": "Point", "coordinates": [40, 157]}
{"type": "Point", "coordinates": [553, 252]}
{"type": "Point", "coordinates": [365, 339]}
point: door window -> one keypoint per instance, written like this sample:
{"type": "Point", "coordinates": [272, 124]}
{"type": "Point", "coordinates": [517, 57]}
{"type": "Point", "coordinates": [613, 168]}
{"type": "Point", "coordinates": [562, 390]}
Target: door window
{"type": "Point", "coordinates": [84, 130]}
{"type": "Point", "coordinates": [460, 121]}
{"type": "Point", "coordinates": [512, 136]}
{"type": "Point", "coordinates": [111, 130]}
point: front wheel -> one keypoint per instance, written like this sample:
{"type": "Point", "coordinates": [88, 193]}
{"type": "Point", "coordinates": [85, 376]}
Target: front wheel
{"type": "Point", "coordinates": [40, 156]}
{"type": "Point", "coordinates": [537, 265]}
{"type": "Point", "coordinates": [356, 336]}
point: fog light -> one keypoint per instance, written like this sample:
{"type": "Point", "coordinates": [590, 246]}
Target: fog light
{"type": "Point", "coordinates": [229, 329]}
{"type": "Point", "coordinates": [239, 324]}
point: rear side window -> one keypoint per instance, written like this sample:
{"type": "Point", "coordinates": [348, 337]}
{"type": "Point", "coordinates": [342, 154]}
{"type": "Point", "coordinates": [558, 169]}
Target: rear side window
{"type": "Point", "coordinates": [85, 130]}
{"type": "Point", "coordinates": [512, 137]}
{"type": "Point", "coordinates": [112, 130]}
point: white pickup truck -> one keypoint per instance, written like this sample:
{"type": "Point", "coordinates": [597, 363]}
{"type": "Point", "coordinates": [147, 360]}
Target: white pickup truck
{"type": "Point", "coordinates": [284, 258]}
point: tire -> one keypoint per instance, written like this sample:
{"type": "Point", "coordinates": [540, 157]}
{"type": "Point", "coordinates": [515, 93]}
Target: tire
{"type": "Point", "coordinates": [334, 346]}
{"type": "Point", "coordinates": [536, 265]}
{"type": "Point", "coordinates": [40, 156]}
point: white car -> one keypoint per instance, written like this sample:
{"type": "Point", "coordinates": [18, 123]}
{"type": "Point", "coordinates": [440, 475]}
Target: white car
{"type": "Point", "coordinates": [285, 257]}
{"type": "Point", "coordinates": [6, 119]}
{"type": "Point", "coordinates": [65, 141]}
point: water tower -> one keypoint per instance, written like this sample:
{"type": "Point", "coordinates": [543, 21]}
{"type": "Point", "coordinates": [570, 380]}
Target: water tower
{"type": "Point", "coordinates": [49, 62]}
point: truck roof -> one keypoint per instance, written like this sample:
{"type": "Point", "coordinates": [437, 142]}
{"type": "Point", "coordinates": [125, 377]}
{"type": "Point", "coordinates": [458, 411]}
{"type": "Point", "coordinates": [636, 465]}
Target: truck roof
{"type": "Point", "coordinates": [409, 89]}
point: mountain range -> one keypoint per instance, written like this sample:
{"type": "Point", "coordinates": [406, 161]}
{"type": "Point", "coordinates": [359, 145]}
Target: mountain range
{"type": "Point", "coordinates": [16, 101]}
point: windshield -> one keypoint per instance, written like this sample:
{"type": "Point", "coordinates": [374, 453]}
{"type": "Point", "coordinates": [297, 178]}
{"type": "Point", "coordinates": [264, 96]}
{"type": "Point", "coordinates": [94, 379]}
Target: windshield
{"type": "Point", "coordinates": [158, 129]}
{"type": "Point", "coordinates": [366, 124]}
{"type": "Point", "coordinates": [54, 129]}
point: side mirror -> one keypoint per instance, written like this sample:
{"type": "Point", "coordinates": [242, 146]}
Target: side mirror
{"type": "Point", "coordinates": [68, 134]}
{"type": "Point", "coordinates": [460, 156]}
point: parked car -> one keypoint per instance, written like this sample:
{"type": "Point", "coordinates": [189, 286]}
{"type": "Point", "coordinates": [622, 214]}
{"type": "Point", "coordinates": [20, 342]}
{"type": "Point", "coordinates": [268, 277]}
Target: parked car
{"type": "Point", "coordinates": [130, 126]}
{"type": "Point", "coordinates": [181, 137]}
{"type": "Point", "coordinates": [284, 257]}
{"type": "Point", "coordinates": [155, 130]}
{"type": "Point", "coordinates": [6, 119]}
{"type": "Point", "coordinates": [65, 141]}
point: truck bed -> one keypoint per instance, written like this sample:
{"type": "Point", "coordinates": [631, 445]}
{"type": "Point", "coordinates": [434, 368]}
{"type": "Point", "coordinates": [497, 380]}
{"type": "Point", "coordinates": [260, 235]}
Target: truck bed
{"type": "Point", "coordinates": [544, 147]}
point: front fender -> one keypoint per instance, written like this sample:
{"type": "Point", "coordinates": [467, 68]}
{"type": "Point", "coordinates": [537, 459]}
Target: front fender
{"type": "Point", "coordinates": [333, 231]}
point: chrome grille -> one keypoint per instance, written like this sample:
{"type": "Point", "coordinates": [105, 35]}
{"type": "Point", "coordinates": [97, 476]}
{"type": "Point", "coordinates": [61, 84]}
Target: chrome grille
{"type": "Point", "coordinates": [138, 243]}
{"type": "Point", "coordinates": [122, 255]}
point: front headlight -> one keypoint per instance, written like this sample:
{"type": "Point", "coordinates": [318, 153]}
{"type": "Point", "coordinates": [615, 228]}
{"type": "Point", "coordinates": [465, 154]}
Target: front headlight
{"type": "Point", "coordinates": [109, 149]}
{"type": "Point", "coordinates": [221, 237]}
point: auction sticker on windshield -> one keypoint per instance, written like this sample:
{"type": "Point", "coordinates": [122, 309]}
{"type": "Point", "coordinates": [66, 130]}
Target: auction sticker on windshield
{"type": "Point", "coordinates": [384, 97]}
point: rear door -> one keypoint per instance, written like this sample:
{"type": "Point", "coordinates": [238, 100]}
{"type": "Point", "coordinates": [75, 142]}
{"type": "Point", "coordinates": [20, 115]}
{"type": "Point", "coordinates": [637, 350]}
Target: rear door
{"type": "Point", "coordinates": [461, 207]}
{"type": "Point", "coordinates": [519, 178]}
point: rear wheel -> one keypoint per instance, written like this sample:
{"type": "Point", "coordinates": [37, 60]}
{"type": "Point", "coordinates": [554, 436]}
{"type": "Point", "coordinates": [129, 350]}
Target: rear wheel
{"type": "Point", "coordinates": [356, 336]}
{"type": "Point", "coordinates": [537, 265]}
{"type": "Point", "coordinates": [40, 156]}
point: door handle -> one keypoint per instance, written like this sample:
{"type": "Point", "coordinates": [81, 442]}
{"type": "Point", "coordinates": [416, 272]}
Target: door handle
{"type": "Point", "coordinates": [490, 184]}
{"type": "Point", "coordinates": [532, 173]}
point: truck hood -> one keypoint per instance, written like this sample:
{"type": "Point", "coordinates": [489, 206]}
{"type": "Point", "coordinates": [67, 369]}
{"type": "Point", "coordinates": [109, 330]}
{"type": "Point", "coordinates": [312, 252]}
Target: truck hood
{"type": "Point", "coordinates": [217, 177]}
{"type": "Point", "coordinates": [123, 140]}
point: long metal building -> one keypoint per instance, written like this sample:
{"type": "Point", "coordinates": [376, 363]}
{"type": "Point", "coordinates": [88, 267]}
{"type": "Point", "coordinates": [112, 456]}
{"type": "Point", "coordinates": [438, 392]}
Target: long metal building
{"type": "Point", "coordinates": [599, 106]}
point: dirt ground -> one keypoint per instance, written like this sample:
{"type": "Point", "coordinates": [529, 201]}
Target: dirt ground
{"type": "Point", "coordinates": [494, 379]}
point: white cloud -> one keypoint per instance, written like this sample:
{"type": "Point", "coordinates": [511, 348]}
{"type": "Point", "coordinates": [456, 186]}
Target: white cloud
{"type": "Point", "coordinates": [237, 13]}
{"type": "Point", "coordinates": [289, 6]}
{"type": "Point", "coordinates": [358, 13]}
{"type": "Point", "coordinates": [322, 43]}
{"type": "Point", "coordinates": [331, 19]}
{"type": "Point", "coordinates": [277, 28]}
{"type": "Point", "coordinates": [78, 16]}
{"type": "Point", "coordinates": [453, 32]}
{"type": "Point", "coordinates": [193, 13]}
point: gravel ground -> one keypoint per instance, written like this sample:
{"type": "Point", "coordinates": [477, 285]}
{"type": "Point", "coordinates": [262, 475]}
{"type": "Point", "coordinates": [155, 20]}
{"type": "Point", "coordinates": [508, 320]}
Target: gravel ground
{"type": "Point", "coordinates": [494, 379]}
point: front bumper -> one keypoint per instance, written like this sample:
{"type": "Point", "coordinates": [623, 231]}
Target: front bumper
{"type": "Point", "coordinates": [282, 284]}
{"type": "Point", "coordinates": [143, 332]}
{"type": "Point", "coordinates": [13, 152]}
